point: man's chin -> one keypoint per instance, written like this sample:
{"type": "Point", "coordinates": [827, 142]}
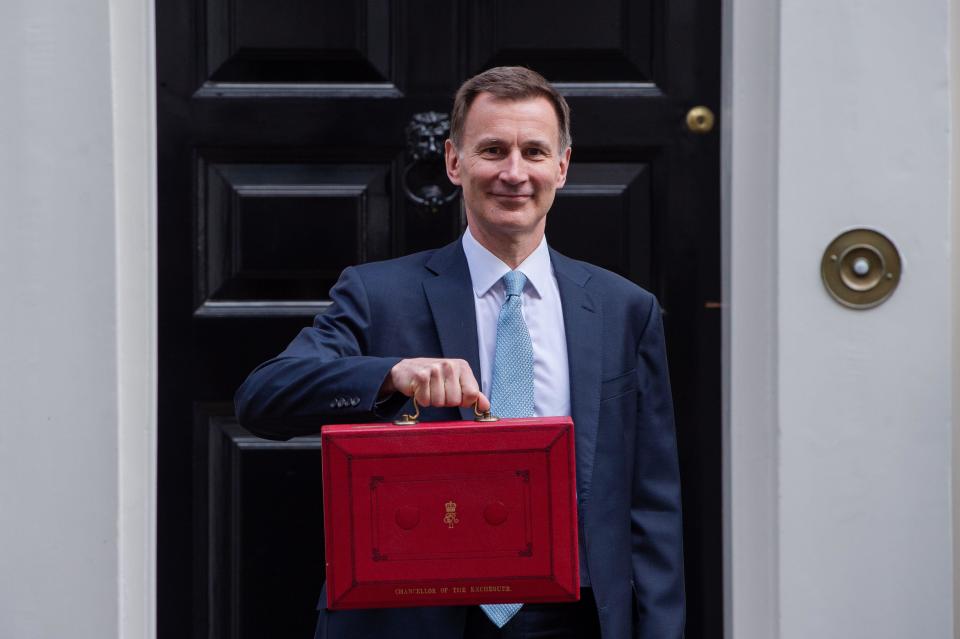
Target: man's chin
{"type": "Point", "coordinates": [518, 220]}
{"type": "Point", "coordinates": [512, 202]}
{"type": "Point", "coordinates": [512, 223]}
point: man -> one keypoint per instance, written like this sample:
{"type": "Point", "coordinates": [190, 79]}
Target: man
{"type": "Point", "coordinates": [548, 336]}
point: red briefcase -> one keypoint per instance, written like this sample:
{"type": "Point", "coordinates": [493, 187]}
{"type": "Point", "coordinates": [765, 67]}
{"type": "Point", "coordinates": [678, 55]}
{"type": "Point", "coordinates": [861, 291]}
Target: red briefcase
{"type": "Point", "coordinates": [450, 513]}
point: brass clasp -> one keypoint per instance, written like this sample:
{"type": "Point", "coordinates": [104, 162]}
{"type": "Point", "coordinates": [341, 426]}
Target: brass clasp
{"type": "Point", "coordinates": [485, 416]}
{"type": "Point", "coordinates": [410, 420]}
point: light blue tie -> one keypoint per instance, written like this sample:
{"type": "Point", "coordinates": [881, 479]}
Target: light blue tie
{"type": "Point", "coordinates": [511, 390]}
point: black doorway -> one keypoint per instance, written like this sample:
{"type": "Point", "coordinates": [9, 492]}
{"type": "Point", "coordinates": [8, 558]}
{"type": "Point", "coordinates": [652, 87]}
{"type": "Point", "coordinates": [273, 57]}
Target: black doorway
{"type": "Point", "coordinates": [282, 154]}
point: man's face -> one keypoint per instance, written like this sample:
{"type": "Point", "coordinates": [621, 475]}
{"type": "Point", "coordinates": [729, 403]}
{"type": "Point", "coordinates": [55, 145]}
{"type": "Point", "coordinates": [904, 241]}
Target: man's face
{"type": "Point", "coordinates": [509, 165]}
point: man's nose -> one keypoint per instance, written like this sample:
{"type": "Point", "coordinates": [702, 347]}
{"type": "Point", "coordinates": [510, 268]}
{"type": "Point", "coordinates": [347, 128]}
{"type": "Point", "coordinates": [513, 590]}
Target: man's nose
{"type": "Point", "coordinates": [513, 170]}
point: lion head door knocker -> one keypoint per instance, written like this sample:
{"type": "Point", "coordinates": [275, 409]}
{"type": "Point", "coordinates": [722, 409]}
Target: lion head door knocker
{"type": "Point", "coordinates": [425, 180]}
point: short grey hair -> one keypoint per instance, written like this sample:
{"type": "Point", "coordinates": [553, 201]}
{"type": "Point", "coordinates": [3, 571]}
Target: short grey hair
{"type": "Point", "coordinates": [508, 83]}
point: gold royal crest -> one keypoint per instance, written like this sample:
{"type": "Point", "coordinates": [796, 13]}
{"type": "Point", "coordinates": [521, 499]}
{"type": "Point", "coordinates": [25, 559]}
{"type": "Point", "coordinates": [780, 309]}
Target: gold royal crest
{"type": "Point", "coordinates": [451, 517]}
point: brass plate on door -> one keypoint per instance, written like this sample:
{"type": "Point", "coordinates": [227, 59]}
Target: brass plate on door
{"type": "Point", "coordinates": [861, 268]}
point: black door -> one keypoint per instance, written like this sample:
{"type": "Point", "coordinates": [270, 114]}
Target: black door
{"type": "Point", "coordinates": [284, 158]}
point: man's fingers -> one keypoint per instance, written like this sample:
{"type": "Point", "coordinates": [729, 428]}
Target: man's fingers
{"type": "Point", "coordinates": [437, 395]}
{"type": "Point", "coordinates": [454, 393]}
{"type": "Point", "coordinates": [471, 391]}
{"type": "Point", "coordinates": [451, 382]}
{"type": "Point", "coordinates": [483, 404]}
{"type": "Point", "coordinates": [437, 382]}
{"type": "Point", "coordinates": [420, 386]}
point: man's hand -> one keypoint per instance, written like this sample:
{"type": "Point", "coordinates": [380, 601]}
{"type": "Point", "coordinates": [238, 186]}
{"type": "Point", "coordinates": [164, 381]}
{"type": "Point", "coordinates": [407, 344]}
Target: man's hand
{"type": "Point", "coordinates": [435, 382]}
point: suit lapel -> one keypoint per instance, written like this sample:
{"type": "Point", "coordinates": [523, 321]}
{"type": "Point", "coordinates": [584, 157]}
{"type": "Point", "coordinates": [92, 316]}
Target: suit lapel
{"type": "Point", "coordinates": [450, 295]}
{"type": "Point", "coordinates": [581, 318]}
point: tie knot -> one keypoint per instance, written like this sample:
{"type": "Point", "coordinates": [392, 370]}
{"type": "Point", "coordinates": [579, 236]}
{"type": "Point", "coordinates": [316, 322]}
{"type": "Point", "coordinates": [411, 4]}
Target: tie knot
{"type": "Point", "coordinates": [513, 282]}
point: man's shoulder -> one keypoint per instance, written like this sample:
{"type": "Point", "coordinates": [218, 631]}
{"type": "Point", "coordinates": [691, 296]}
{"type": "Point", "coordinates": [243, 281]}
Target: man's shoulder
{"type": "Point", "coordinates": [408, 268]}
{"type": "Point", "coordinates": [382, 281]}
{"type": "Point", "coordinates": [396, 265]}
{"type": "Point", "coordinates": [600, 280]}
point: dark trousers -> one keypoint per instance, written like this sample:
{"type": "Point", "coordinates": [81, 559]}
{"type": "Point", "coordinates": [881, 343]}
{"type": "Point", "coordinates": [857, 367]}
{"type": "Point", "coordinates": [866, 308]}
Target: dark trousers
{"type": "Point", "coordinates": [576, 620]}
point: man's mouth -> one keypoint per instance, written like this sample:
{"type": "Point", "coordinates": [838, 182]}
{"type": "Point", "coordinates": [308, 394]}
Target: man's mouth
{"type": "Point", "coordinates": [513, 196]}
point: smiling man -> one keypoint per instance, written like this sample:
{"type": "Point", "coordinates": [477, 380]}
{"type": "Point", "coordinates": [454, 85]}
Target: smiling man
{"type": "Point", "coordinates": [500, 319]}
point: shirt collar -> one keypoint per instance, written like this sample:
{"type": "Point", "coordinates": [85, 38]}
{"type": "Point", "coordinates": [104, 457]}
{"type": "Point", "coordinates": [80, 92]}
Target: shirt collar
{"type": "Point", "coordinates": [486, 269]}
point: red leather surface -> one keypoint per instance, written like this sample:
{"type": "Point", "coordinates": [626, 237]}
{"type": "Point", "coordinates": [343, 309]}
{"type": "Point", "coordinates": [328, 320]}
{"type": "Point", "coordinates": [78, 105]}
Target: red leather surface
{"type": "Point", "coordinates": [450, 513]}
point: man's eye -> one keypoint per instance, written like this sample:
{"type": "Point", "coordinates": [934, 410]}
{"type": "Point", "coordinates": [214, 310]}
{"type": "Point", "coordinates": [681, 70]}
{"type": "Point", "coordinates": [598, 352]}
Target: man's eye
{"type": "Point", "coordinates": [491, 151]}
{"type": "Point", "coordinates": [535, 152]}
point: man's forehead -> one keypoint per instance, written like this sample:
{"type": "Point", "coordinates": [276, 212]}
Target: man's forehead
{"type": "Point", "coordinates": [489, 111]}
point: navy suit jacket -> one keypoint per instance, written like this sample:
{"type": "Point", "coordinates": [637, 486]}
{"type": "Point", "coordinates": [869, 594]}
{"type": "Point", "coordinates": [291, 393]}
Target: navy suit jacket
{"type": "Point", "coordinates": [628, 483]}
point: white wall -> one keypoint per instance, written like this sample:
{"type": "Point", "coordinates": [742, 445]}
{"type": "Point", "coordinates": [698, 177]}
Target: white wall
{"type": "Point", "coordinates": [955, 244]}
{"type": "Point", "coordinates": [76, 331]}
{"type": "Point", "coordinates": [864, 397]}
{"type": "Point", "coordinates": [858, 451]}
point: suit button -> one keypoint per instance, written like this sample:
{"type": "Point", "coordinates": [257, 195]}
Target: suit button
{"type": "Point", "coordinates": [333, 403]}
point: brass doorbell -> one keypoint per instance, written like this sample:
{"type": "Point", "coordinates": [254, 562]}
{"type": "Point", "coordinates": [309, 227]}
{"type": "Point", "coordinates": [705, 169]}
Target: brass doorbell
{"type": "Point", "coordinates": [861, 268]}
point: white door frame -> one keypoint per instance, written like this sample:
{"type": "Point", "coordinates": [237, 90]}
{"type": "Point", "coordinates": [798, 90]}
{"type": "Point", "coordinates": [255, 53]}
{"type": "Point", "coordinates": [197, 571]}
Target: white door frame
{"type": "Point", "coordinates": [133, 73]}
{"type": "Point", "coordinates": [749, 161]}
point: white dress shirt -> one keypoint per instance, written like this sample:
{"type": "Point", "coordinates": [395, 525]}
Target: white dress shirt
{"type": "Point", "coordinates": [542, 312]}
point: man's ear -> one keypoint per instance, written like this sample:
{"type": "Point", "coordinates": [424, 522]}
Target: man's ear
{"type": "Point", "coordinates": [452, 160]}
{"type": "Point", "coordinates": [564, 165]}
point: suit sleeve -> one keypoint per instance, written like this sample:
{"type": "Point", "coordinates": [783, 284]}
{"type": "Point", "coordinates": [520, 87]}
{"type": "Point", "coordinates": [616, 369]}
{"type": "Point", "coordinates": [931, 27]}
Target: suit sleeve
{"type": "Point", "coordinates": [656, 529]}
{"type": "Point", "coordinates": [323, 376]}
